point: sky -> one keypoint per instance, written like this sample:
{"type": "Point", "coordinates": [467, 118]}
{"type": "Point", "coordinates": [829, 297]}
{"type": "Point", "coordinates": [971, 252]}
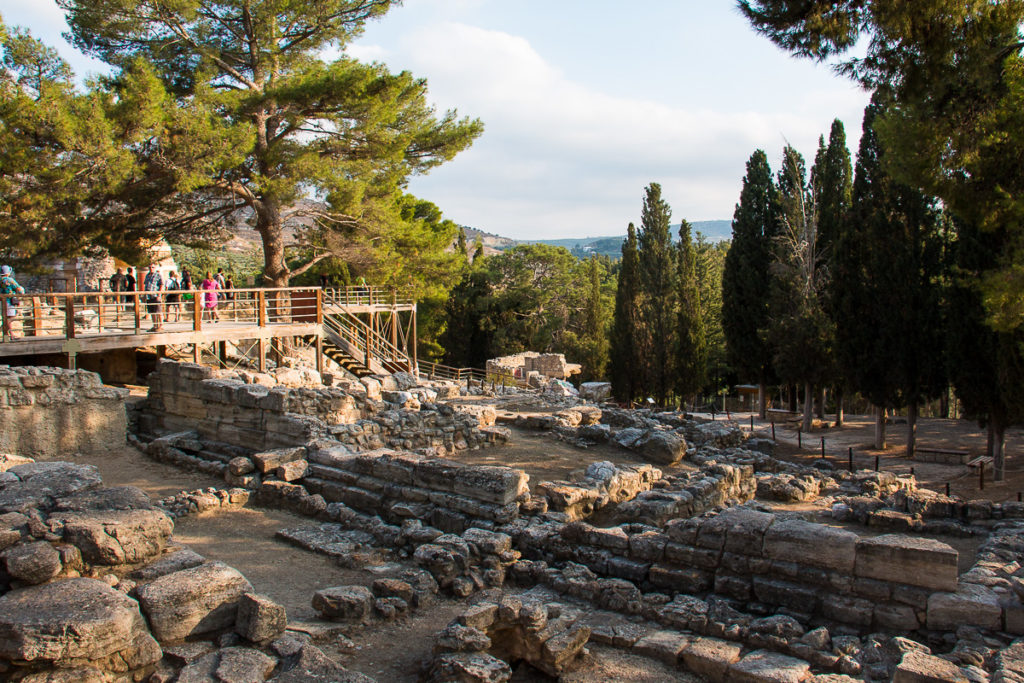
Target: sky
{"type": "Point", "coordinates": [586, 102]}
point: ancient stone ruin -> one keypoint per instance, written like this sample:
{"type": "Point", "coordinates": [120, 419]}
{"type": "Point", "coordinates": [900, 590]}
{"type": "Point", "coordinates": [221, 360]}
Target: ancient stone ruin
{"type": "Point", "coordinates": [683, 543]}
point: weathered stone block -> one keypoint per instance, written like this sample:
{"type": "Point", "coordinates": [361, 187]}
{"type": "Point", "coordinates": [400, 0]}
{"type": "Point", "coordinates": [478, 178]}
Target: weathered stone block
{"type": "Point", "coordinates": [970, 605]}
{"type": "Point", "coordinates": [271, 460]}
{"type": "Point", "coordinates": [763, 666]}
{"type": "Point", "coordinates": [918, 667]}
{"type": "Point", "coordinates": [343, 602]}
{"type": "Point", "coordinates": [259, 618]}
{"type": "Point", "coordinates": [817, 545]}
{"type": "Point", "coordinates": [911, 560]}
{"type": "Point", "coordinates": [711, 658]}
{"type": "Point", "coordinates": [665, 646]}
{"type": "Point", "coordinates": [193, 601]}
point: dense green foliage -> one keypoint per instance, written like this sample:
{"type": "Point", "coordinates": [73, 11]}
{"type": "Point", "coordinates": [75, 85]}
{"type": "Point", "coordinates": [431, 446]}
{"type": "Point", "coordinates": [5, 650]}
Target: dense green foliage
{"type": "Point", "coordinates": [658, 283]}
{"type": "Point", "coordinates": [533, 297]}
{"type": "Point", "coordinates": [690, 347]}
{"type": "Point", "coordinates": [954, 74]}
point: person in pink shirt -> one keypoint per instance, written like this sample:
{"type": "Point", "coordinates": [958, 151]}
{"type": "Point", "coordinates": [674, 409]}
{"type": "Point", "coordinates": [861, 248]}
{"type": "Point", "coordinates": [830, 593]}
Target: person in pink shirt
{"type": "Point", "coordinates": [210, 286]}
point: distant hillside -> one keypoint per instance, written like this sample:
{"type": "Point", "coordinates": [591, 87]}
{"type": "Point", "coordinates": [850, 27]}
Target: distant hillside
{"type": "Point", "coordinates": [583, 247]}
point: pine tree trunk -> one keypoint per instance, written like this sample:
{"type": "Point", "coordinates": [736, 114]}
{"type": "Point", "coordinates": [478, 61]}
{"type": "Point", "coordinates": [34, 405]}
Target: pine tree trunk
{"type": "Point", "coordinates": [879, 428]}
{"type": "Point", "coordinates": [840, 397]}
{"type": "Point", "coordinates": [944, 404]}
{"type": "Point", "coordinates": [791, 388]}
{"type": "Point", "coordinates": [808, 404]}
{"type": "Point", "coordinates": [269, 226]}
{"type": "Point", "coordinates": [762, 408]}
{"type": "Point", "coordinates": [821, 402]}
{"type": "Point", "coordinates": [999, 452]}
{"type": "Point", "coordinates": [990, 443]}
{"type": "Point", "coordinates": [911, 429]}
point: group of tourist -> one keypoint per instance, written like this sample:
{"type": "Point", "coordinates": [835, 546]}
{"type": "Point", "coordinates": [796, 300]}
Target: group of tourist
{"type": "Point", "coordinates": [169, 292]}
{"type": "Point", "coordinates": [9, 287]}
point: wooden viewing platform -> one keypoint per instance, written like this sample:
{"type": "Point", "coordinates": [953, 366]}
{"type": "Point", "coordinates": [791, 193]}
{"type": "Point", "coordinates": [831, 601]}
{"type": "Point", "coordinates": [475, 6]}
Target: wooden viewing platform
{"type": "Point", "coordinates": [363, 321]}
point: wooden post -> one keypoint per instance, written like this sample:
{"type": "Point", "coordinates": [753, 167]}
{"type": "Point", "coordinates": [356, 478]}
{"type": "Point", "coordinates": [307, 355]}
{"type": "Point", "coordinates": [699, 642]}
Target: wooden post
{"type": "Point", "coordinates": [261, 308]}
{"type": "Point", "coordinates": [822, 448]}
{"type": "Point", "coordinates": [319, 354]}
{"type": "Point", "coordinates": [319, 307]}
{"type": "Point", "coordinates": [197, 353]}
{"type": "Point", "coordinates": [99, 312]}
{"type": "Point", "coordinates": [947, 489]}
{"type": "Point", "coordinates": [222, 352]}
{"type": "Point", "coordinates": [415, 360]}
{"type": "Point", "coordinates": [851, 458]}
{"type": "Point", "coordinates": [876, 463]}
{"type": "Point", "coordinates": [69, 317]}
{"type": "Point", "coordinates": [799, 439]}
{"type": "Point", "coordinates": [981, 475]}
{"type": "Point", "coordinates": [37, 317]}
{"type": "Point", "coordinates": [261, 353]}
{"type": "Point", "coordinates": [773, 426]}
{"type": "Point", "coordinates": [366, 353]}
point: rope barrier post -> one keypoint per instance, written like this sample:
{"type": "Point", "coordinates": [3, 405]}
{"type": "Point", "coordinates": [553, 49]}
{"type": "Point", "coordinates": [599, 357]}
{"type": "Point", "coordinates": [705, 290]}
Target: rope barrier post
{"type": "Point", "coordinates": [799, 439]}
{"type": "Point", "coordinates": [851, 458]}
{"type": "Point", "coordinates": [822, 448]}
{"type": "Point", "coordinates": [947, 489]}
{"type": "Point", "coordinates": [911, 471]}
{"type": "Point", "coordinates": [981, 476]}
{"type": "Point", "coordinates": [773, 430]}
{"type": "Point", "coordinates": [1019, 497]}
{"type": "Point", "coordinates": [876, 463]}
{"type": "Point", "coordinates": [751, 423]}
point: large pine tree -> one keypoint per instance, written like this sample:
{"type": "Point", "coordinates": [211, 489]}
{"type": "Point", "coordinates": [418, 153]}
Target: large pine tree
{"type": "Point", "coordinates": [691, 345]}
{"type": "Point", "coordinates": [658, 285]}
{"type": "Point", "coordinates": [625, 348]}
{"type": "Point", "coordinates": [745, 278]}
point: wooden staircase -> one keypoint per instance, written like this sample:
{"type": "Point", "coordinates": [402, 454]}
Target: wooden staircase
{"type": "Point", "coordinates": [358, 347]}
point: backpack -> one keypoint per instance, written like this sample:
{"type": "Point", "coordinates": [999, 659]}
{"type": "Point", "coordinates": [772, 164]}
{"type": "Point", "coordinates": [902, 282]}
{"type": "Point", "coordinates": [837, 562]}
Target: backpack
{"type": "Point", "coordinates": [172, 284]}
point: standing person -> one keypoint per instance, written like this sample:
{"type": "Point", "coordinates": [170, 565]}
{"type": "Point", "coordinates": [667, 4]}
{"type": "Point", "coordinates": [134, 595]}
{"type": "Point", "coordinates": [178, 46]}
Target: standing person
{"type": "Point", "coordinates": [229, 295]}
{"type": "Point", "coordinates": [129, 286]}
{"type": "Point", "coordinates": [173, 296]}
{"type": "Point", "coordinates": [117, 285]}
{"type": "Point", "coordinates": [220, 277]}
{"type": "Point", "coordinates": [210, 287]}
{"type": "Point", "coordinates": [153, 285]}
{"type": "Point", "coordinates": [8, 285]}
{"type": "Point", "coordinates": [325, 282]}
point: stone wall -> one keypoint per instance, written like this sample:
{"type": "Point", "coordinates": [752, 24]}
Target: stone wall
{"type": "Point", "coordinates": [222, 407]}
{"type": "Point", "coordinates": [884, 582]}
{"type": "Point", "coordinates": [50, 412]}
{"type": "Point", "coordinates": [397, 485]}
{"type": "Point", "coordinates": [546, 364]}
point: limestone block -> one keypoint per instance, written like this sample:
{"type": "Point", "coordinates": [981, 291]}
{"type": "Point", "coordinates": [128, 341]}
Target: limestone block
{"type": "Point", "coordinates": [745, 533]}
{"type": "Point", "coordinates": [480, 616]}
{"type": "Point", "coordinates": [33, 562]}
{"type": "Point", "coordinates": [466, 666]}
{"type": "Point", "coordinates": [39, 483]}
{"type": "Point", "coordinates": [665, 646]}
{"type": "Point", "coordinates": [918, 667]}
{"type": "Point", "coordinates": [271, 460]}
{"type": "Point", "coordinates": [763, 666]}
{"type": "Point", "coordinates": [114, 537]}
{"type": "Point", "coordinates": [241, 665]}
{"type": "Point", "coordinates": [711, 658]}
{"type": "Point", "coordinates": [561, 649]}
{"type": "Point", "coordinates": [77, 620]}
{"type": "Point", "coordinates": [183, 558]}
{"type": "Point", "coordinates": [910, 560]}
{"type": "Point", "coordinates": [292, 471]}
{"type": "Point", "coordinates": [193, 601]}
{"type": "Point", "coordinates": [848, 609]}
{"type": "Point", "coordinates": [259, 618]}
{"type": "Point", "coordinates": [811, 544]}
{"type": "Point", "coordinates": [343, 602]}
{"type": "Point", "coordinates": [970, 605]}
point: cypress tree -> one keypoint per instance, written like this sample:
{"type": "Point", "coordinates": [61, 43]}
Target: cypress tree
{"type": "Point", "coordinates": [658, 286]}
{"type": "Point", "coordinates": [888, 299]}
{"type": "Point", "coordinates": [626, 333]}
{"type": "Point", "coordinates": [691, 347]}
{"type": "Point", "coordinates": [799, 330]}
{"type": "Point", "coordinates": [745, 277]}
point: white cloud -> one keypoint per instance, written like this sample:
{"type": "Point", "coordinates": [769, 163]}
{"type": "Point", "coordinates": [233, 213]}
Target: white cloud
{"type": "Point", "coordinates": [560, 158]}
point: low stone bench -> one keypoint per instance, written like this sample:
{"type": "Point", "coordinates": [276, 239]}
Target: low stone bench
{"type": "Point", "coordinates": [944, 456]}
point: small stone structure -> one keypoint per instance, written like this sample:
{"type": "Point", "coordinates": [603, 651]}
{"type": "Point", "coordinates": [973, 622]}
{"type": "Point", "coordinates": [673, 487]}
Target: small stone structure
{"type": "Point", "coordinates": [522, 365]}
{"type": "Point", "coordinates": [52, 412]}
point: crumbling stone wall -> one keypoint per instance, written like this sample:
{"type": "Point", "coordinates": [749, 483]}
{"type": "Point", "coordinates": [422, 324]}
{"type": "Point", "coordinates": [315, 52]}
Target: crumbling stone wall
{"type": "Point", "coordinates": [222, 408]}
{"type": "Point", "coordinates": [51, 411]}
{"type": "Point", "coordinates": [546, 364]}
{"type": "Point", "coordinates": [398, 485]}
{"type": "Point", "coordinates": [885, 582]}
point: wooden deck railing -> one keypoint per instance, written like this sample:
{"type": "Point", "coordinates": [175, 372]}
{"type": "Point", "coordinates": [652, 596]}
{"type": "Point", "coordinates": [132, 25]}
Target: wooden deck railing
{"type": "Point", "coordinates": [85, 314]}
{"type": "Point", "coordinates": [368, 296]}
